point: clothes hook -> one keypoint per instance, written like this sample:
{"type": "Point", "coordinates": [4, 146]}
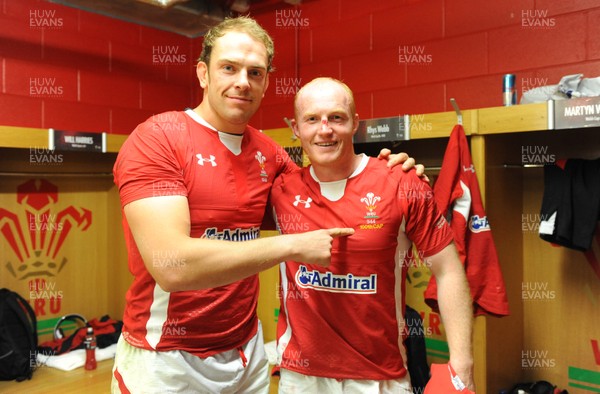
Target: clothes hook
{"type": "Point", "coordinates": [457, 110]}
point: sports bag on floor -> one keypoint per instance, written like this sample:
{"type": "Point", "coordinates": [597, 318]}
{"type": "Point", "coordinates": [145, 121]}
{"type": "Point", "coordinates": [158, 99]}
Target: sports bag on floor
{"type": "Point", "coordinates": [18, 337]}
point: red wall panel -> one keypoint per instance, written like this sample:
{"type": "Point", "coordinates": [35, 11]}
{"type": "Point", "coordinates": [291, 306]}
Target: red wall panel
{"type": "Point", "coordinates": [449, 59]}
{"type": "Point", "coordinates": [271, 116]}
{"type": "Point", "coordinates": [564, 7]}
{"type": "Point", "coordinates": [75, 116]}
{"type": "Point", "coordinates": [111, 29]}
{"type": "Point", "coordinates": [19, 41]}
{"type": "Point", "coordinates": [123, 121]}
{"type": "Point", "coordinates": [67, 68]}
{"type": "Point", "coordinates": [477, 92]}
{"type": "Point", "coordinates": [17, 26]}
{"type": "Point", "coordinates": [157, 96]}
{"type": "Point", "coordinates": [465, 47]}
{"type": "Point", "coordinates": [330, 68]}
{"type": "Point", "coordinates": [364, 105]}
{"type": "Point", "coordinates": [21, 111]}
{"type": "Point", "coordinates": [519, 48]}
{"type": "Point", "coordinates": [553, 74]}
{"type": "Point", "coordinates": [26, 78]}
{"type": "Point", "coordinates": [108, 68]}
{"type": "Point", "coordinates": [305, 49]}
{"type": "Point", "coordinates": [285, 49]}
{"type": "Point", "coordinates": [407, 24]}
{"type": "Point", "coordinates": [312, 14]}
{"type": "Point", "coordinates": [408, 100]}
{"type": "Point", "coordinates": [593, 23]}
{"type": "Point", "coordinates": [340, 38]}
{"type": "Point", "coordinates": [60, 47]}
{"type": "Point", "coordinates": [118, 90]}
{"type": "Point", "coordinates": [364, 72]}
{"type": "Point", "coordinates": [469, 16]}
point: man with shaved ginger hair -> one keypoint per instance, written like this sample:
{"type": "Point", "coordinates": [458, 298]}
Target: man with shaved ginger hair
{"type": "Point", "coordinates": [341, 327]}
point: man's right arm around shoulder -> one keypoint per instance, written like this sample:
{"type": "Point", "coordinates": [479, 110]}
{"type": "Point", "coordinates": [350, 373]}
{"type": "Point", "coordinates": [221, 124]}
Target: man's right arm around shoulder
{"type": "Point", "coordinates": [161, 227]}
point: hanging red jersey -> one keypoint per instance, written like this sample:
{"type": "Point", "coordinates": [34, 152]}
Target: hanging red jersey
{"type": "Point", "coordinates": [457, 194]}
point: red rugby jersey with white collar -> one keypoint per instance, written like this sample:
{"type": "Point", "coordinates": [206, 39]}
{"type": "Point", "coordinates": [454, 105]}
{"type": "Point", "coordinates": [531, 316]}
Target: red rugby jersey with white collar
{"type": "Point", "coordinates": [227, 180]}
{"type": "Point", "coordinates": [346, 321]}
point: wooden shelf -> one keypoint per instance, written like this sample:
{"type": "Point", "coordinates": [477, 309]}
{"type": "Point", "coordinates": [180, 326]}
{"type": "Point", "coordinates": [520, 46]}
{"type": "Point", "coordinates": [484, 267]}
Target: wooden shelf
{"type": "Point", "coordinates": [493, 120]}
{"type": "Point", "coordinates": [114, 142]}
{"type": "Point", "coordinates": [516, 118]}
{"type": "Point", "coordinates": [439, 124]}
{"type": "Point", "coordinates": [27, 138]}
{"type": "Point", "coordinates": [23, 137]}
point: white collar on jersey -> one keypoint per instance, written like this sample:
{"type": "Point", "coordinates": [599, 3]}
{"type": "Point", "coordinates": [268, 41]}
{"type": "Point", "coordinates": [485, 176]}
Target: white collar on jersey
{"type": "Point", "coordinates": [333, 191]}
{"type": "Point", "coordinates": [232, 142]}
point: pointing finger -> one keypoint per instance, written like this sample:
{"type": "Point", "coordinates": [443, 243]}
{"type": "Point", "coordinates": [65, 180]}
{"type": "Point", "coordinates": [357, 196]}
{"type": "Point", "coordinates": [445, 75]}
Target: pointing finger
{"type": "Point", "coordinates": [340, 232]}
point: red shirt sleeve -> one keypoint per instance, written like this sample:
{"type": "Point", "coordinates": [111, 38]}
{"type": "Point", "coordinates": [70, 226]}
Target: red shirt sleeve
{"type": "Point", "coordinates": [426, 227]}
{"type": "Point", "coordinates": [147, 165]}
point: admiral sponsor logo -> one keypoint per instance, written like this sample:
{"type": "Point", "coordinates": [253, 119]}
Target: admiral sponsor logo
{"type": "Point", "coordinates": [477, 224]}
{"type": "Point", "coordinates": [227, 234]}
{"type": "Point", "coordinates": [327, 281]}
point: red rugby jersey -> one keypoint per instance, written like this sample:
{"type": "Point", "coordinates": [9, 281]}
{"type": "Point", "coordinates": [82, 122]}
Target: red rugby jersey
{"type": "Point", "coordinates": [227, 180]}
{"type": "Point", "coordinates": [346, 321]}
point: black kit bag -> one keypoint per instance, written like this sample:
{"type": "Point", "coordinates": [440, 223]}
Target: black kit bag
{"type": "Point", "coordinates": [539, 387]}
{"type": "Point", "coordinates": [18, 337]}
